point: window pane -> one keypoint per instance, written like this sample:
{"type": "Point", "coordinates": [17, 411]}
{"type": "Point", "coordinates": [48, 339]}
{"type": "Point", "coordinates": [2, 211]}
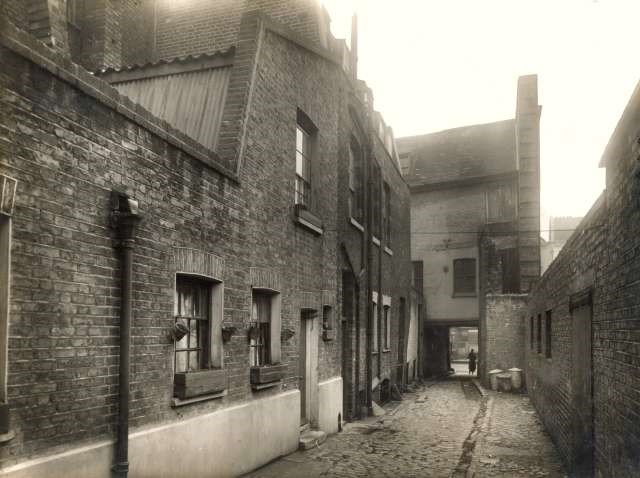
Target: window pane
{"type": "Point", "coordinates": [299, 163]}
{"type": "Point", "coordinates": [183, 342]}
{"type": "Point", "coordinates": [464, 276]}
{"type": "Point", "coordinates": [299, 139]}
{"type": "Point", "coordinates": [181, 362]}
{"type": "Point", "coordinates": [193, 334]}
{"type": "Point", "coordinates": [193, 361]}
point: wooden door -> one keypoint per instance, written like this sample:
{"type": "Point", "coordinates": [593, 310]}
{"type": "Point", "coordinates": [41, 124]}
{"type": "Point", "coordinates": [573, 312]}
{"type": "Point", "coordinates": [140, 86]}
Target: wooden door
{"type": "Point", "coordinates": [581, 375]}
{"type": "Point", "coordinates": [303, 365]}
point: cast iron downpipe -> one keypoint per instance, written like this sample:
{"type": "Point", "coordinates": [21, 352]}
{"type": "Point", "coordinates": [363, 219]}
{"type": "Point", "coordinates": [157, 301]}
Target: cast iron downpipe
{"type": "Point", "coordinates": [126, 218]}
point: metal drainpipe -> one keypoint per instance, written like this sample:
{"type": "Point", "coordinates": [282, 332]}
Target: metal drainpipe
{"type": "Point", "coordinates": [126, 218]}
{"type": "Point", "coordinates": [369, 289]}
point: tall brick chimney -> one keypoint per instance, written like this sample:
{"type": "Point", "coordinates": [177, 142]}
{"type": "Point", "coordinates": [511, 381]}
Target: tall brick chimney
{"type": "Point", "coordinates": [100, 34]}
{"type": "Point", "coordinates": [44, 19]}
{"type": "Point", "coordinates": [528, 160]}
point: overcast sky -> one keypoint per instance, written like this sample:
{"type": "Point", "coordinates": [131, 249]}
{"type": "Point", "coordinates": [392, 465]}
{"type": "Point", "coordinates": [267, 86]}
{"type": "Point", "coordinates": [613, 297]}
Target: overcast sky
{"type": "Point", "coordinates": [438, 64]}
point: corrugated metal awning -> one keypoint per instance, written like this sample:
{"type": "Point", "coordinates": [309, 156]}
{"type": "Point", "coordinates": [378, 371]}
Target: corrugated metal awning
{"type": "Point", "coordinates": [191, 102]}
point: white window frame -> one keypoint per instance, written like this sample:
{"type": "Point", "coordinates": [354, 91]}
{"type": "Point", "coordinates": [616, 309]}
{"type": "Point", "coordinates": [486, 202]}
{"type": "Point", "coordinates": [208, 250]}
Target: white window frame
{"type": "Point", "coordinates": [215, 312]}
{"type": "Point", "coordinates": [386, 319]}
{"type": "Point", "coordinates": [275, 325]}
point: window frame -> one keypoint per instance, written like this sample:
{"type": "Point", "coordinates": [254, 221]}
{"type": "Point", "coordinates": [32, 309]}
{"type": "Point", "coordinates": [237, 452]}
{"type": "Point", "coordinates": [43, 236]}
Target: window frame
{"type": "Point", "coordinates": [275, 325]}
{"type": "Point", "coordinates": [306, 130]}
{"type": "Point", "coordinates": [386, 214]}
{"type": "Point", "coordinates": [386, 323]}
{"type": "Point", "coordinates": [539, 335]}
{"type": "Point", "coordinates": [456, 280]}
{"type": "Point", "coordinates": [213, 358]}
{"type": "Point", "coordinates": [548, 331]}
{"type": "Point", "coordinates": [356, 189]}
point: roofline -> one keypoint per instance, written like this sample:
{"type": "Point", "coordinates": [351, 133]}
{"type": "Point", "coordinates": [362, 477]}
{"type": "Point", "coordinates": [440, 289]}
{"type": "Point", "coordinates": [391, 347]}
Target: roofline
{"type": "Point", "coordinates": [620, 126]}
{"type": "Point", "coordinates": [408, 138]}
{"type": "Point", "coordinates": [185, 64]}
{"type": "Point", "coordinates": [457, 183]}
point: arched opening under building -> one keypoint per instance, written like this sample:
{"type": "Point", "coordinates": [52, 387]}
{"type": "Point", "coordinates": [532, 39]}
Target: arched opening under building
{"type": "Point", "coordinates": [462, 340]}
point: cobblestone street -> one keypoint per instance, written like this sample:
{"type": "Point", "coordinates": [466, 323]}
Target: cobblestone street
{"type": "Point", "coordinates": [442, 429]}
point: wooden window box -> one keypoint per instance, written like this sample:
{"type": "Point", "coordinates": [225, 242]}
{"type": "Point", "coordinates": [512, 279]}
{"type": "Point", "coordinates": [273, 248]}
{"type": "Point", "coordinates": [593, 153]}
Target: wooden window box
{"type": "Point", "coordinates": [193, 384]}
{"type": "Point", "coordinates": [266, 374]}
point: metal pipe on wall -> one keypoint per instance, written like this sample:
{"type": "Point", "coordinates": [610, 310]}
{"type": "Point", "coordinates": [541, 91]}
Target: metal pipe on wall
{"type": "Point", "coordinates": [126, 218]}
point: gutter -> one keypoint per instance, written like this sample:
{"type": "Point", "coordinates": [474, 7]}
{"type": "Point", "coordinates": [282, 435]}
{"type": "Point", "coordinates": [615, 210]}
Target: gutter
{"type": "Point", "coordinates": [125, 218]}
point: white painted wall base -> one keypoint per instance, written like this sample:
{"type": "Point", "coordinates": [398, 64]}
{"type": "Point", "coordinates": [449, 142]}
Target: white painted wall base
{"type": "Point", "coordinates": [224, 443]}
{"type": "Point", "coordinates": [329, 404]}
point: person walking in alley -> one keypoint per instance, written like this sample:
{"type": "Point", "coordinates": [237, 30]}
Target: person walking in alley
{"type": "Point", "coordinates": [472, 362]}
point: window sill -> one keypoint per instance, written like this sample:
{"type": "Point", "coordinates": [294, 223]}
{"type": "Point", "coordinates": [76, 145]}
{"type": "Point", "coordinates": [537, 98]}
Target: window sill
{"type": "Point", "coordinates": [388, 251]}
{"type": "Point", "coordinates": [384, 351]}
{"type": "Point", "coordinates": [375, 352]}
{"type": "Point", "coordinates": [177, 402]}
{"type": "Point", "coordinates": [375, 240]}
{"type": "Point", "coordinates": [264, 386]}
{"type": "Point", "coordinates": [356, 224]}
{"type": "Point", "coordinates": [464, 294]}
{"type": "Point", "coordinates": [307, 219]}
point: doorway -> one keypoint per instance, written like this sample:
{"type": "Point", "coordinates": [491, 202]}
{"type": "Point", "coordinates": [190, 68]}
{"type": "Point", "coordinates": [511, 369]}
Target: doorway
{"type": "Point", "coordinates": [581, 373]}
{"type": "Point", "coordinates": [462, 340]}
{"type": "Point", "coordinates": [306, 369]}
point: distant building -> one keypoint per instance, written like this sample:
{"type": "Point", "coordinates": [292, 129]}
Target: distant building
{"type": "Point", "coordinates": [475, 209]}
{"type": "Point", "coordinates": [560, 229]}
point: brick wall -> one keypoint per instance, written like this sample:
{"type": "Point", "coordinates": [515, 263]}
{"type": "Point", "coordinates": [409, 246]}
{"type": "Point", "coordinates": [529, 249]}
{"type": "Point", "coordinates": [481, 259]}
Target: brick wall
{"type": "Point", "coordinates": [502, 333]}
{"type": "Point", "coordinates": [602, 257]}
{"type": "Point", "coordinates": [70, 139]}
{"type": "Point", "coordinates": [174, 29]}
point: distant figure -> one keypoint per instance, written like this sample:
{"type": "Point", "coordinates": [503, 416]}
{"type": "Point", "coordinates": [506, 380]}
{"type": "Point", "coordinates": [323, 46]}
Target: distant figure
{"type": "Point", "coordinates": [472, 362]}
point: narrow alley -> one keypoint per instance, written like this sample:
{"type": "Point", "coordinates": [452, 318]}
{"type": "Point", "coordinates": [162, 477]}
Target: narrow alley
{"type": "Point", "coordinates": [447, 428]}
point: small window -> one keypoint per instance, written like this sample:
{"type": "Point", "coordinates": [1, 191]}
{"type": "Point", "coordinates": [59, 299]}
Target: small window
{"type": "Point", "coordinates": [192, 314]}
{"type": "Point", "coordinates": [501, 205]}
{"type": "Point", "coordinates": [355, 182]}
{"type": "Point", "coordinates": [539, 334]}
{"type": "Point", "coordinates": [376, 200]}
{"type": "Point", "coordinates": [547, 334]}
{"type": "Point", "coordinates": [510, 271]}
{"type": "Point", "coordinates": [260, 330]}
{"type": "Point", "coordinates": [386, 327]}
{"type": "Point", "coordinates": [386, 215]}
{"type": "Point", "coordinates": [303, 167]}
{"type": "Point", "coordinates": [376, 326]}
{"type": "Point", "coordinates": [327, 323]}
{"type": "Point", "coordinates": [305, 137]}
{"type": "Point", "coordinates": [418, 271]}
{"type": "Point", "coordinates": [464, 277]}
{"type": "Point", "coordinates": [531, 333]}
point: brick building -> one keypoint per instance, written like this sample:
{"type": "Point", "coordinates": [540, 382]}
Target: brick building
{"type": "Point", "coordinates": [583, 333]}
{"type": "Point", "coordinates": [475, 215]}
{"type": "Point", "coordinates": [224, 187]}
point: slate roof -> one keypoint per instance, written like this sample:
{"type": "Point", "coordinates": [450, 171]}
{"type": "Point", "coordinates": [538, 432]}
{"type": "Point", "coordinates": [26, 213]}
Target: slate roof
{"type": "Point", "coordinates": [464, 153]}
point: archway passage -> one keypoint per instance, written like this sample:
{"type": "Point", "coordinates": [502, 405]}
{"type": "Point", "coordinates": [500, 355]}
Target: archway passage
{"type": "Point", "coordinates": [462, 341]}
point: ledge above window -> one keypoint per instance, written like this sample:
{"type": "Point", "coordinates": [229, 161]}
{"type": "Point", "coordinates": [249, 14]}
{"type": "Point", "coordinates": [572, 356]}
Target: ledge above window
{"type": "Point", "coordinates": [307, 219]}
{"type": "Point", "coordinates": [375, 240]}
{"type": "Point", "coordinates": [388, 251]}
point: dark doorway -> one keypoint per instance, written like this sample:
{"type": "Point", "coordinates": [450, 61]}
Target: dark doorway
{"type": "Point", "coordinates": [581, 373]}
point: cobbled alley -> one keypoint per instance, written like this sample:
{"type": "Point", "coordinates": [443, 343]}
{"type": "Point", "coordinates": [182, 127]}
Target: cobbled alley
{"type": "Point", "coordinates": [448, 428]}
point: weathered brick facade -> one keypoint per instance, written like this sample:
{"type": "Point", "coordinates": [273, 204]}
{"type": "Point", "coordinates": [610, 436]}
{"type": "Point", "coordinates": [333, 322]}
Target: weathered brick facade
{"type": "Point", "coordinates": [475, 194]}
{"type": "Point", "coordinates": [585, 381]}
{"type": "Point", "coordinates": [71, 140]}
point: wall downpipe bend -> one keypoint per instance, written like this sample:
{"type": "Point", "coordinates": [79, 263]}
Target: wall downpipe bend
{"type": "Point", "coordinates": [125, 218]}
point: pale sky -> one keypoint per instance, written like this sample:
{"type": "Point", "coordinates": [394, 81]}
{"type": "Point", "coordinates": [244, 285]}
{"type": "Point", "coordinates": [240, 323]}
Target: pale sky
{"type": "Point", "coordinates": [438, 64]}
